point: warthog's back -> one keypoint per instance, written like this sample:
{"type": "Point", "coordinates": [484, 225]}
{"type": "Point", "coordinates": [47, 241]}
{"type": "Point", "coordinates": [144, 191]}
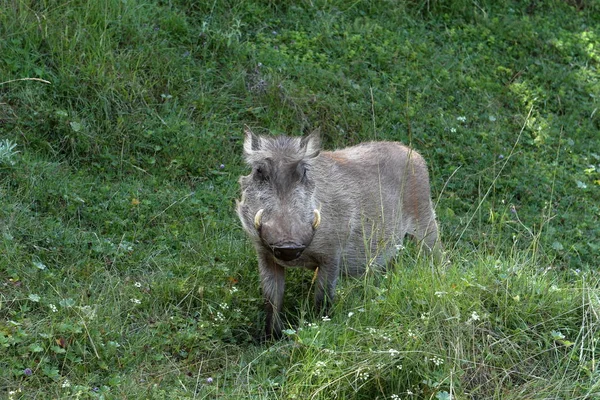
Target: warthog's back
{"type": "Point", "coordinates": [371, 196]}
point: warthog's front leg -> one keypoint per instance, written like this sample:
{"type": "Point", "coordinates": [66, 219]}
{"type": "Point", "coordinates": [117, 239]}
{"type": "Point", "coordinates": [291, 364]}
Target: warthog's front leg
{"type": "Point", "coordinates": [327, 276]}
{"type": "Point", "coordinates": [272, 279]}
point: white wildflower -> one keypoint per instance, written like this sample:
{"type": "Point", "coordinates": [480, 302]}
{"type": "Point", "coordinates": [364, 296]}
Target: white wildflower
{"type": "Point", "coordinates": [219, 317]}
{"type": "Point", "coordinates": [474, 317]}
{"type": "Point", "coordinates": [363, 376]}
{"type": "Point", "coordinates": [136, 301]}
{"type": "Point", "coordinates": [437, 361]}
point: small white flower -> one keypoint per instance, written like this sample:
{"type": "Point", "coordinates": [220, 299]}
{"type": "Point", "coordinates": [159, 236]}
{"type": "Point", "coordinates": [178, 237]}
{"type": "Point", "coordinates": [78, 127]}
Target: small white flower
{"type": "Point", "coordinates": [363, 376]}
{"type": "Point", "coordinates": [411, 334]}
{"type": "Point", "coordinates": [233, 290]}
{"type": "Point", "coordinates": [440, 294]}
{"type": "Point", "coordinates": [326, 319]}
{"type": "Point", "coordinates": [453, 130]}
{"type": "Point", "coordinates": [425, 316]}
{"type": "Point", "coordinates": [66, 383]}
{"type": "Point", "coordinates": [224, 306]}
{"type": "Point", "coordinates": [219, 317]}
{"type": "Point", "coordinates": [361, 310]}
{"type": "Point", "coordinates": [393, 352]}
{"type": "Point", "coordinates": [53, 307]}
{"type": "Point", "coordinates": [395, 397]}
{"type": "Point", "coordinates": [437, 360]}
{"type": "Point", "coordinates": [321, 364]}
{"type": "Point", "coordinates": [138, 284]}
{"type": "Point", "coordinates": [474, 317]}
{"type": "Point", "coordinates": [12, 393]}
{"type": "Point", "coordinates": [136, 301]}
{"type": "Point", "coordinates": [350, 314]}
{"type": "Point", "coordinates": [461, 119]}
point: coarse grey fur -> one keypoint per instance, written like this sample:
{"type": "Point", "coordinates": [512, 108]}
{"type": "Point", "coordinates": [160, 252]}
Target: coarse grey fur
{"type": "Point", "coordinates": [344, 210]}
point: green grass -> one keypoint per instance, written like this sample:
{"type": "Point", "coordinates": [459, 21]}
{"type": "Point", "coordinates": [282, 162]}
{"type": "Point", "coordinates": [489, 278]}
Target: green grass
{"type": "Point", "coordinates": [124, 272]}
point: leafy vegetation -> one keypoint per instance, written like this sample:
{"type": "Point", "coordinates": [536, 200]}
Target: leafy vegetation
{"type": "Point", "coordinates": [124, 272]}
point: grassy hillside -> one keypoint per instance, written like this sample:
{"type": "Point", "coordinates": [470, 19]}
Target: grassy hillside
{"type": "Point", "coordinates": [124, 272]}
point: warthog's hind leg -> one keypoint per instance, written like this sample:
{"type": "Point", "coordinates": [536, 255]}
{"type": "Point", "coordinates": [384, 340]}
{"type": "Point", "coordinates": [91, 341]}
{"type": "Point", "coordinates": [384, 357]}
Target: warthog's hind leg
{"type": "Point", "coordinates": [427, 235]}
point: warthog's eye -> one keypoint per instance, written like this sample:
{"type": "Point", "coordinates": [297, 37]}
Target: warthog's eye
{"type": "Point", "coordinates": [260, 174]}
{"type": "Point", "coordinates": [303, 171]}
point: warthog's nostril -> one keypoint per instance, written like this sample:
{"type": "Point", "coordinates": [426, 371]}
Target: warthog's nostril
{"type": "Point", "coordinates": [288, 252]}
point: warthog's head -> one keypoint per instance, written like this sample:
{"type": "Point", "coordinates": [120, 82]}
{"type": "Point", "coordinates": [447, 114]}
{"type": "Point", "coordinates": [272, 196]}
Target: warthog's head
{"type": "Point", "coordinates": [278, 207]}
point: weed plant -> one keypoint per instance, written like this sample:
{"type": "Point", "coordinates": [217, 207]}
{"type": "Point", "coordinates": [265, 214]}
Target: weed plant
{"type": "Point", "coordinates": [124, 272]}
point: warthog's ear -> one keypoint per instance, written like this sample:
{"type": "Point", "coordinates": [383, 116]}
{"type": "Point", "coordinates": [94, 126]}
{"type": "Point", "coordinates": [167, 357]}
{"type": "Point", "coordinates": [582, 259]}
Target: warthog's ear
{"type": "Point", "coordinates": [311, 144]}
{"type": "Point", "coordinates": [251, 142]}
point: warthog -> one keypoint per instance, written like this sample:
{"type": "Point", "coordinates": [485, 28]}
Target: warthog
{"type": "Point", "coordinates": [330, 211]}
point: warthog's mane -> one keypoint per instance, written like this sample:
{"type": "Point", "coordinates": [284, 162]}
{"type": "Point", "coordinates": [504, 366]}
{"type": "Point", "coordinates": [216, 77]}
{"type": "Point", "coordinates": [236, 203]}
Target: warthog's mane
{"type": "Point", "coordinates": [281, 149]}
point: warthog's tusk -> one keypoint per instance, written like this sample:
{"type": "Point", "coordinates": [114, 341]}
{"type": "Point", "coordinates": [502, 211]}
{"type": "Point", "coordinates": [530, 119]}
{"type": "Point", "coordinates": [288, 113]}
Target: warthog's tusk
{"type": "Point", "coordinates": [257, 218]}
{"type": "Point", "coordinates": [317, 220]}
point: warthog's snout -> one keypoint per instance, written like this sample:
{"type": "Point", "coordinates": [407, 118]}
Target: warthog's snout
{"type": "Point", "coordinates": [285, 237]}
{"type": "Point", "coordinates": [288, 251]}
